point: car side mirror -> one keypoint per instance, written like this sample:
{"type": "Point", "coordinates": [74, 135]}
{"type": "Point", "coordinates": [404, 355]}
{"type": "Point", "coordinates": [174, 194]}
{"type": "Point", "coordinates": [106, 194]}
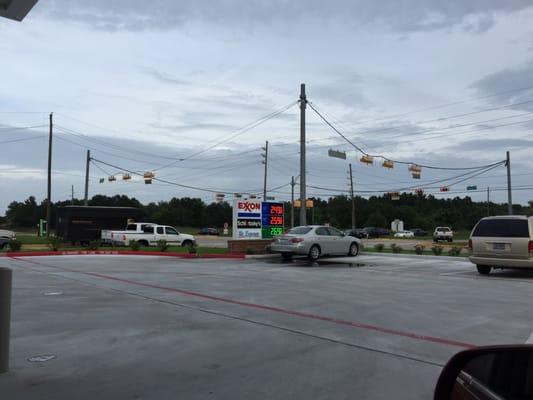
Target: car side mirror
{"type": "Point", "coordinates": [492, 373]}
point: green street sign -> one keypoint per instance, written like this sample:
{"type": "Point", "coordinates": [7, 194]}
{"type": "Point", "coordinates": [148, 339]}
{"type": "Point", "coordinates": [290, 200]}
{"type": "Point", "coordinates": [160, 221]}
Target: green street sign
{"type": "Point", "coordinates": [471, 187]}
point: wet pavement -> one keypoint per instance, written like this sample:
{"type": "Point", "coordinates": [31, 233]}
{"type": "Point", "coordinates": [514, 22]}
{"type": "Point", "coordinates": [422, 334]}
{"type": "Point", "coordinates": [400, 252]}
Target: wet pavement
{"type": "Point", "coordinates": [373, 326]}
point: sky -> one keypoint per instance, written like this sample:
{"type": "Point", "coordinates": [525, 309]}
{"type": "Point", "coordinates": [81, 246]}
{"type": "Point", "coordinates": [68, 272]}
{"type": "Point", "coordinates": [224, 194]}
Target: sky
{"type": "Point", "coordinates": [192, 90]}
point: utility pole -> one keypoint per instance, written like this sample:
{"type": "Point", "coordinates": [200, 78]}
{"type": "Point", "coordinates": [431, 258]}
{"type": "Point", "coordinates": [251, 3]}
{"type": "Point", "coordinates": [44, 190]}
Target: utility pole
{"type": "Point", "coordinates": [265, 156]}
{"type": "Point", "coordinates": [509, 196]}
{"type": "Point", "coordinates": [353, 199]}
{"type": "Point", "coordinates": [488, 201]}
{"type": "Point", "coordinates": [49, 195]}
{"type": "Point", "coordinates": [292, 201]}
{"type": "Point", "coordinates": [72, 195]}
{"type": "Point", "coordinates": [86, 198]}
{"type": "Point", "coordinates": [303, 104]}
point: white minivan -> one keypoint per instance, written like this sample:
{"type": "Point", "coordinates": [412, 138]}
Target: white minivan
{"type": "Point", "coordinates": [502, 242]}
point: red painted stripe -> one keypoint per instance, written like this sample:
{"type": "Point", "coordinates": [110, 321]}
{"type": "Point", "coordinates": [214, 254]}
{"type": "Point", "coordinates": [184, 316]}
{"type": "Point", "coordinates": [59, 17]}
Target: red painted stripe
{"type": "Point", "coordinates": [237, 256]}
{"type": "Point", "coordinates": [337, 321]}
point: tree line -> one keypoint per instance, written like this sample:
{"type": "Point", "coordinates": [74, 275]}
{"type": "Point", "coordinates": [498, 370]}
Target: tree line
{"type": "Point", "coordinates": [416, 211]}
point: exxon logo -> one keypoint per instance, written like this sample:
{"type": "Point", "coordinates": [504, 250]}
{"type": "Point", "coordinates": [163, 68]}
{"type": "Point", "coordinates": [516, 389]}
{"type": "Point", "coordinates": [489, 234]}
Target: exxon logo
{"type": "Point", "coordinates": [248, 206]}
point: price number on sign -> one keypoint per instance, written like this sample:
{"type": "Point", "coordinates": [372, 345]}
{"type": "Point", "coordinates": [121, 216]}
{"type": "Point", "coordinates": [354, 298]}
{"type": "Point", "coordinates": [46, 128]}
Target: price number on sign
{"type": "Point", "coordinates": [276, 221]}
{"type": "Point", "coordinates": [277, 210]}
{"type": "Point", "coordinates": [276, 231]}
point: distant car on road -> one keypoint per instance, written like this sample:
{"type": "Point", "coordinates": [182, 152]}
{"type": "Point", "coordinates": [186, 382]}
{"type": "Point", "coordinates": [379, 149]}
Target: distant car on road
{"type": "Point", "coordinates": [315, 241]}
{"type": "Point", "coordinates": [404, 234]}
{"type": "Point", "coordinates": [502, 242]}
{"type": "Point", "coordinates": [443, 233]}
{"type": "Point", "coordinates": [7, 234]}
{"type": "Point", "coordinates": [358, 233]}
{"type": "Point", "coordinates": [418, 232]}
{"type": "Point", "coordinates": [3, 242]}
{"type": "Point", "coordinates": [209, 231]}
{"type": "Point", "coordinates": [374, 232]}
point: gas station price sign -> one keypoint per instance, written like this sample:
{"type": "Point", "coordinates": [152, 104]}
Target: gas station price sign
{"type": "Point", "coordinates": [272, 222]}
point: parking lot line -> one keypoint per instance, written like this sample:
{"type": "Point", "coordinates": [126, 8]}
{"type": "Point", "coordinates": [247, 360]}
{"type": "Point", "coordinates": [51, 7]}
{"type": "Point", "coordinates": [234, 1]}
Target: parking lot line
{"type": "Point", "coordinates": [355, 324]}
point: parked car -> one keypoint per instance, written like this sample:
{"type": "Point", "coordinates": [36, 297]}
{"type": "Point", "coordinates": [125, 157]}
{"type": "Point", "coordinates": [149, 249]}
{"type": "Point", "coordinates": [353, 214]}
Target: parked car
{"type": "Point", "coordinates": [443, 233]}
{"type": "Point", "coordinates": [502, 242]}
{"type": "Point", "coordinates": [404, 234]}
{"type": "Point", "coordinates": [315, 241]}
{"type": "Point", "coordinates": [418, 232]}
{"type": "Point", "coordinates": [7, 234]}
{"type": "Point", "coordinates": [147, 234]}
{"type": "Point", "coordinates": [208, 231]}
{"type": "Point", "coordinates": [358, 233]}
{"type": "Point", "coordinates": [374, 232]}
{"type": "Point", "coordinates": [3, 242]}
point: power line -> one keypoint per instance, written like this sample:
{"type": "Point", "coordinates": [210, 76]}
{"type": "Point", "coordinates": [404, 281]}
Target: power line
{"type": "Point", "coordinates": [236, 134]}
{"type": "Point", "coordinates": [23, 139]}
{"type": "Point", "coordinates": [386, 158]}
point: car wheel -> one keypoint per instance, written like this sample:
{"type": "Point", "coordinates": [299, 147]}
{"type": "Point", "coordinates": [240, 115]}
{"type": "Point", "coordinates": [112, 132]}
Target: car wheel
{"type": "Point", "coordinates": [314, 252]}
{"type": "Point", "coordinates": [483, 269]}
{"type": "Point", "coordinates": [354, 250]}
{"type": "Point", "coordinates": [187, 243]}
{"type": "Point", "coordinates": [286, 256]}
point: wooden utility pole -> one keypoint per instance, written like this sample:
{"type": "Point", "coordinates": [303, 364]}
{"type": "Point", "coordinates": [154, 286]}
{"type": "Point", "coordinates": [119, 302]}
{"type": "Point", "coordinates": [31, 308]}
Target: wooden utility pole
{"type": "Point", "coordinates": [265, 155]}
{"type": "Point", "coordinates": [353, 199]}
{"type": "Point", "coordinates": [509, 195]}
{"type": "Point", "coordinates": [303, 104]}
{"type": "Point", "coordinates": [88, 163]}
{"type": "Point", "coordinates": [49, 195]}
{"type": "Point", "coordinates": [292, 201]}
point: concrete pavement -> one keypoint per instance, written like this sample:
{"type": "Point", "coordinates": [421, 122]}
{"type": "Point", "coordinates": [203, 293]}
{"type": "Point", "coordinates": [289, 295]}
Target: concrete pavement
{"type": "Point", "coordinates": [373, 327]}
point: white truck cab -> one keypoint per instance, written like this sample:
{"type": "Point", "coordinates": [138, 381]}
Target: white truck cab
{"type": "Point", "coordinates": [147, 234]}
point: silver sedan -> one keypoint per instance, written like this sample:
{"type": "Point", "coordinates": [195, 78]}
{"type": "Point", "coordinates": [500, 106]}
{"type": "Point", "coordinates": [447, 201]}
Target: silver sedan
{"type": "Point", "coordinates": [315, 241]}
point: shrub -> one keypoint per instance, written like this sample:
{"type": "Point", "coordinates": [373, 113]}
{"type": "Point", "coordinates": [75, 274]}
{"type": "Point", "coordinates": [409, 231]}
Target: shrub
{"type": "Point", "coordinates": [94, 244]}
{"type": "Point", "coordinates": [395, 248]}
{"type": "Point", "coordinates": [454, 251]}
{"type": "Point", "coordinates": [193, 249]}
{"type": "Point", "coordinates": [162, 245]}
{"type": "Point", "coordinates": [379, 247]}
{"type": "Point", "coordinates": [249, 251]}
{"type": "Point", "coordinates": [54, 242]}
{"type": "Point", "coordinates": [419, 248]}
{"type": "Point", "coordinates": [14, 244]}
{"type": "Point", "coordinates": [437, 250]}
{"type": "Point", "coordinates": [134, 245]}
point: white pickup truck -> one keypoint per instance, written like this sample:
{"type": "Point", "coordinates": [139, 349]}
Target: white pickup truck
{"type": "Point", "coordinates": [147, 234]}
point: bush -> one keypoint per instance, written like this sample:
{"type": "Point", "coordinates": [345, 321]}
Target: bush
{"type": "Point", "coordinates": [193, 249]}
{"type": "Point", "coordinates": [94, 244]}
{"type": "Point", "coordinates": [395, 248]}
{"type": "Point", "coordinates": [162, 245]}
{"type": "Point", "coordinates": [454, 251]}
{"type": "Point", "coordinates": [134, 245]}
{"type": "Point", "coordinates": [14, 245]}
{"type": "Point", "coordinates": [419, 248]}
{"type": "Point", "coordinates": [54, 242]}
{"type": "Point", "coordinates": [379, 247]}
{"type": "Point", "coordinates": [437, 250]}
{"type": "Point", "coordinates": [249, 251]}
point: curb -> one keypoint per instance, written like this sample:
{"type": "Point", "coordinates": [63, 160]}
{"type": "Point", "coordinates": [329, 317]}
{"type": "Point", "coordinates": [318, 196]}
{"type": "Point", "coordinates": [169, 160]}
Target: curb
{"type": "Point", "coordinates": [236, 256]}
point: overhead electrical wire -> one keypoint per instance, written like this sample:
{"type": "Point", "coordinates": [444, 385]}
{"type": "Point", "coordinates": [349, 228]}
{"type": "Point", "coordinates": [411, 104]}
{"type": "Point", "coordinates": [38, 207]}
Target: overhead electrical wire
{"type": "Point", "coordinates": [388, 158]}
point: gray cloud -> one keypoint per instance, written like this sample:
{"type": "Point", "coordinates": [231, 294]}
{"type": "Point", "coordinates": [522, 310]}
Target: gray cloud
{"type": "Point", "coordinates": [164, 77]}
{"type": "Point", "coordinates": [404, 16]}
{"type": "Point", "coordinates": [499, 83]}
{"type": "Point", "coordinates": [492, 144]}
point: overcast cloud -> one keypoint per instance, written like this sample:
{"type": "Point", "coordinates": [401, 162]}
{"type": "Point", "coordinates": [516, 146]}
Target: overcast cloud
{"type": "Point", "coordinates": [147, 83]}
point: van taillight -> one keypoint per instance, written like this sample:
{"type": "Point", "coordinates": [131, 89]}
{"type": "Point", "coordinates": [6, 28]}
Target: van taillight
{"type": "Point", "coordinates": [530, 246]}
{"type": "Point", "coordinates": [470, 244]}
{"type": "Point", "coordinates": [296, 240]}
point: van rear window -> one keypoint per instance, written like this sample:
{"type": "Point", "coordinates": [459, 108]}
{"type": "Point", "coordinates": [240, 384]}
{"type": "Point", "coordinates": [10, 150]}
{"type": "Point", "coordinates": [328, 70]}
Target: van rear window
{"type": "Point", "coordinates": [502, 228]}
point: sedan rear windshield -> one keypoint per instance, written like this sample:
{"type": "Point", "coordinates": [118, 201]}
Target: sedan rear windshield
{"type": "Point", "coordinates": [301, 230]}
{"type": "Point", "coordinates": [502, 228]}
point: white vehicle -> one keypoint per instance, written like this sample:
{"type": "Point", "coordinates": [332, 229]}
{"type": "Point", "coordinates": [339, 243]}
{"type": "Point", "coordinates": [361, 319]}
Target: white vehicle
{"type": "Point", "coordinates": [443, 233]}
{"type": "Point", "coordinates": [404, 234]}
{"type": "Point", "coordinates": [147, 234]}
{"type": "Point", "coordinates": [7, 234]}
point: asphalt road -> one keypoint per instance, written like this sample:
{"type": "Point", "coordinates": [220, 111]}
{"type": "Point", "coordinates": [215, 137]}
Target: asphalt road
{"type": "Point", "coordinates": [371, 327]}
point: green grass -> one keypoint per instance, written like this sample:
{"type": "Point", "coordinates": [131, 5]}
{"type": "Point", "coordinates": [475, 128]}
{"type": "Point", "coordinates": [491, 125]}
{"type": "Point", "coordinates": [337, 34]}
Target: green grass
{"type": "Point", "coordinates": [171, 249]}
{"type": "Point", "coordinates": [31, 239]}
